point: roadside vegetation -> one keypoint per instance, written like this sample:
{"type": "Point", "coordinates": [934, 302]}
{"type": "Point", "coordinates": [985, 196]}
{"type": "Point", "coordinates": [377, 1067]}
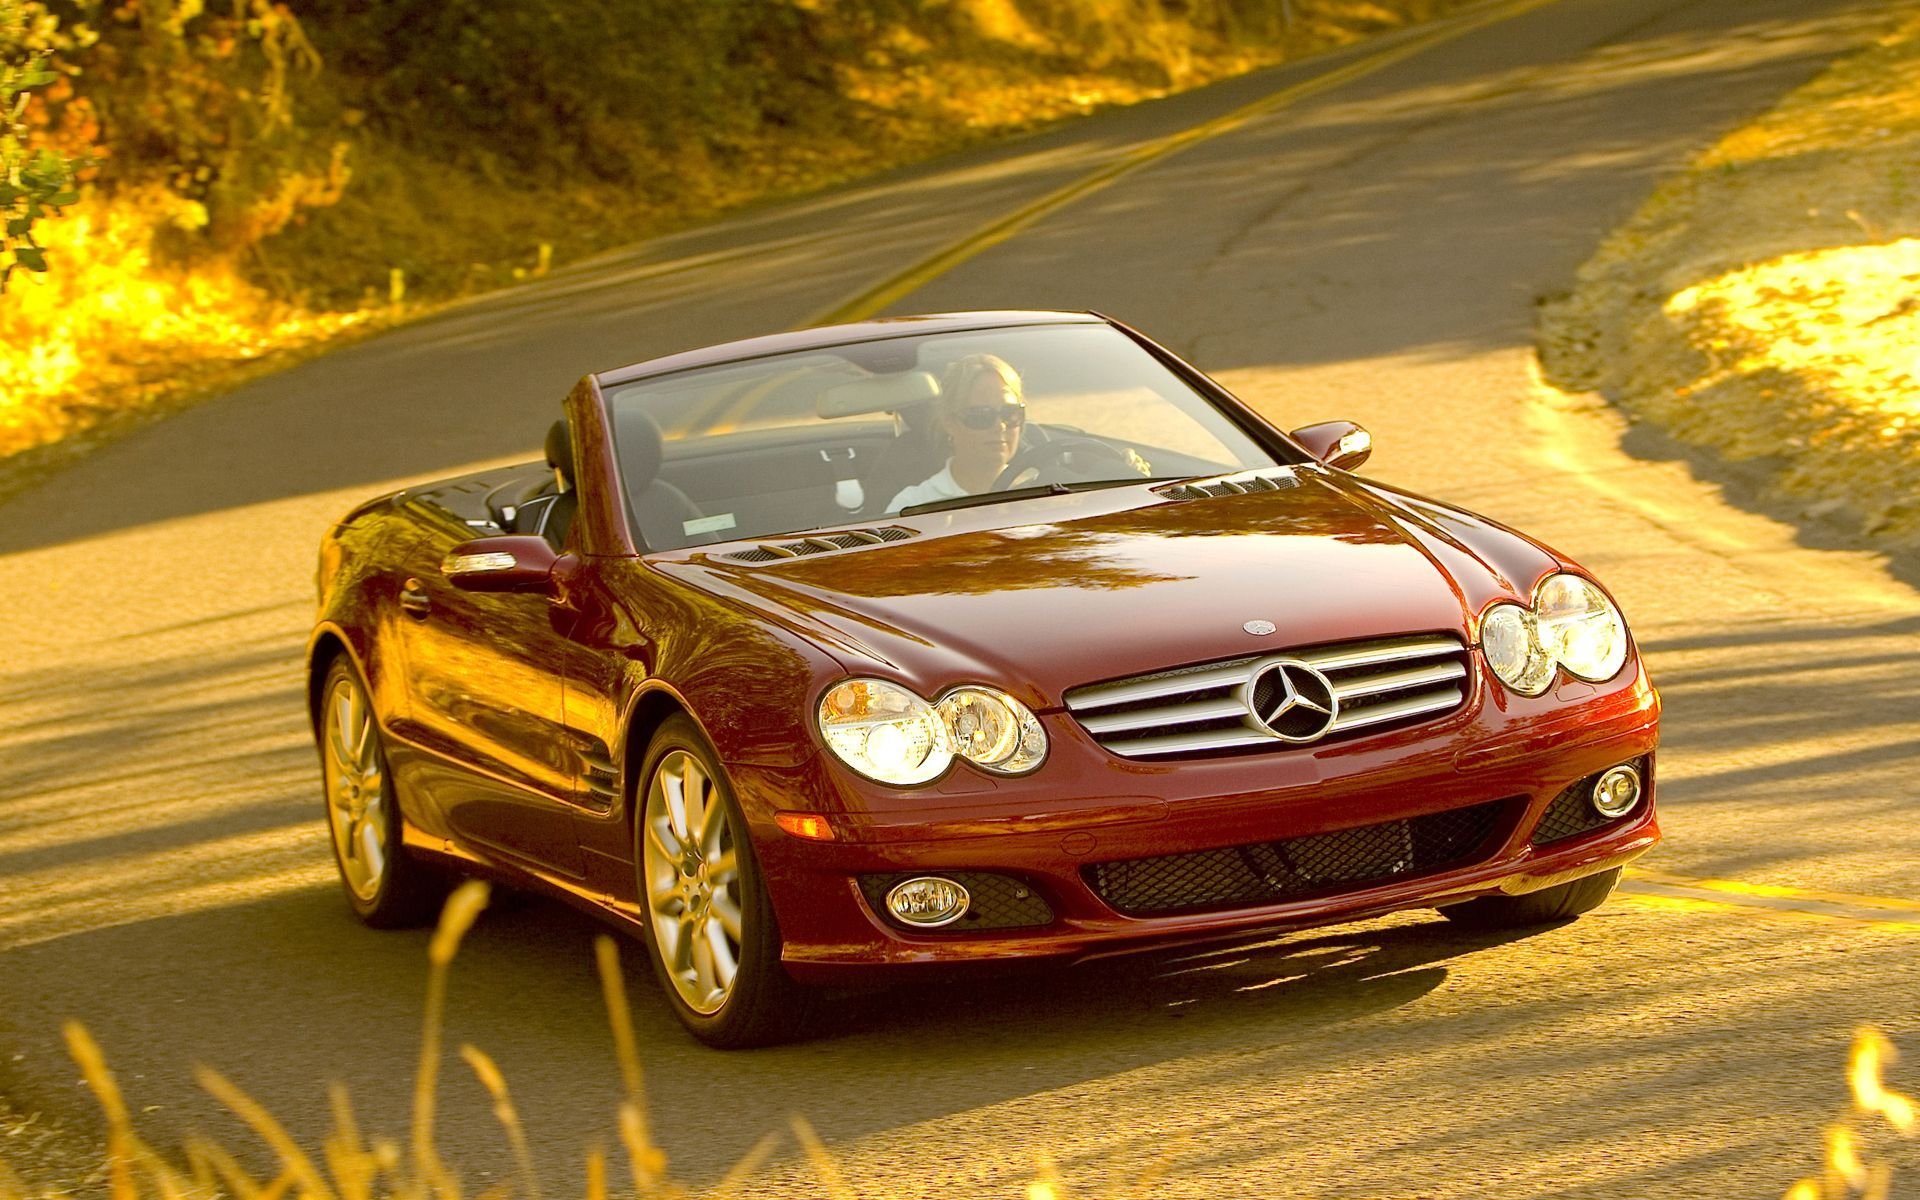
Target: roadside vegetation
{"type": "Point", "coordinates": [357, 1164]}
{"type": "Point", "coordinates": [1766, 303]}
{"type": "Point", "coordinates": [34, 180]}
{"type": "Point", "coordinates": [250, 183]}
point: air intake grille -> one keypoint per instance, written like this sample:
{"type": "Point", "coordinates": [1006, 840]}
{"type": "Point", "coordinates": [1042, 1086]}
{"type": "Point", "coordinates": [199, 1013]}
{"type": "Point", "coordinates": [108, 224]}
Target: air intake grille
{"type": "Point", "coordinates": [1572, 812]}
{"type": "Point", "coordinates": [1270, 480]}
{"type": "Point", "coordinates": [1270, 872]}
{"type": "Point", "coordinates": [826, 543]}
{"type": "Point", "coordinates": [1381, 684]}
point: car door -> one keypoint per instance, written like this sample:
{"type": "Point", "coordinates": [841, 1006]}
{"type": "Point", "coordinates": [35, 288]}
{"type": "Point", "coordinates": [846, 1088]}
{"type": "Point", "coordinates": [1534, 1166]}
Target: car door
{"type": "Point", "coordinates": [612, 647]}
{"type": "Point", "coordinates": [485, 687]}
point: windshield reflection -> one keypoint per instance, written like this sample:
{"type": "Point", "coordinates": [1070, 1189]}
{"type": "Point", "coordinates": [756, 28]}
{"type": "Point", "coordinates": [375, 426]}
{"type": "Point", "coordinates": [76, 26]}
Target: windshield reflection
{"type": "Point", "coordinates": [817, 438]}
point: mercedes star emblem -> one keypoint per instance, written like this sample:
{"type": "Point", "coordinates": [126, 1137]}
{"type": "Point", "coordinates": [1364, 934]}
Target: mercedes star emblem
{"type": "Point", "coordinates": [1258, 628]}
{"type": "Point", "coordinates": [1291, 700]}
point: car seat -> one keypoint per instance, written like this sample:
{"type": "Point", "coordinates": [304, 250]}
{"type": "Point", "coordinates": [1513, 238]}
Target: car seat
{"type": "Point", "coordinates": [662, 509]}
{"type": "Point", "coordinates": [916, 453]}
{"type": "Point", "coordinates": [550, 513]}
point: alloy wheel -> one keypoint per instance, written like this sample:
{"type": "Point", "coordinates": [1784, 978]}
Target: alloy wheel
{"type": "Point", "coordinates": [356, 789]}
{"type": "Point", "coordinates": [693, 881]}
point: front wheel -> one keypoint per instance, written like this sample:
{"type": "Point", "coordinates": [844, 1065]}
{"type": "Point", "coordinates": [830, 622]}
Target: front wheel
{"type": "Point", "coordinates": [1562, 902]}
{"type": "Point", "coordinates": [387, 887]}
{"type": "Point", "coordinates": [710, 927]}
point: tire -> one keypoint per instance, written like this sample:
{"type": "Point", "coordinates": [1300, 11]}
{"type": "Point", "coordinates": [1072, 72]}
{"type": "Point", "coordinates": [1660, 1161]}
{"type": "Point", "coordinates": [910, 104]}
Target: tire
{"type": "Point", "coordinates": [694, 880]}
{"type": "Point", "coordinates": [1544, 907]}
{"type": "Point", "coordinates": [386, 887]}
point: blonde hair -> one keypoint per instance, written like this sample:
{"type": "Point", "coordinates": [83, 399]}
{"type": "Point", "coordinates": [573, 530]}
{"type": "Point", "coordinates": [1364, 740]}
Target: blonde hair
{"type": "Point", "coordinates": [957, 381]}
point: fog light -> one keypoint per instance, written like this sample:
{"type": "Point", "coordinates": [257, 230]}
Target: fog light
{"type": "Point", "coordinates": [927, 901]}
{"type": "Point", "coordinates": [1616, 791]}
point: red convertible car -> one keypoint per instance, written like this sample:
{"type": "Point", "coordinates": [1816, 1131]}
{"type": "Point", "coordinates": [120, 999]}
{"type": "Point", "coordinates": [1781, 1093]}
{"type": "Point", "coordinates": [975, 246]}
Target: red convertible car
{"type": "Point", "coordinates": [961, 639]}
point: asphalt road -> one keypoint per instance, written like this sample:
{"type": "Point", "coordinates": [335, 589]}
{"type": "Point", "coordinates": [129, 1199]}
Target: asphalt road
{"type": "Point", "coordinates": [1374, 252]}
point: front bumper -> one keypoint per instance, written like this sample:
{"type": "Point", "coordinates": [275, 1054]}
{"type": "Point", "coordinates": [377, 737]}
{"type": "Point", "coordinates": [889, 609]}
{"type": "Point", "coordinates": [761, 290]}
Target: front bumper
{"type": "Point", "coordinates": [1096, 809]}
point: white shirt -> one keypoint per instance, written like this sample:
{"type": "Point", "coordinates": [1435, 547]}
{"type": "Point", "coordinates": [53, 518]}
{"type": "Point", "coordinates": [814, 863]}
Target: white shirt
{"type": "Point", "coordinates": [941, 487]}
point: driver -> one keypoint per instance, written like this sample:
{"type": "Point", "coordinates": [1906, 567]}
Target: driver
{"type": "Point", "coordinates": [981, 412]}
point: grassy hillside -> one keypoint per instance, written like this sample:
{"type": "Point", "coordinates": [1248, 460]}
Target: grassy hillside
{"type": "Point", "coordinates": [1762, 304]}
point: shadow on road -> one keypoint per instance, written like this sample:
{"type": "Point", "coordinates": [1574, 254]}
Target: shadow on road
{"type": "Point", "coordinates": [1261, 1028]}
{"type": "Point", "coordinates": [524, 990]}
{"type": "Point", "coordinates": [1794, 742]}
{"type": "Point", "coordinates": [1752, 486]}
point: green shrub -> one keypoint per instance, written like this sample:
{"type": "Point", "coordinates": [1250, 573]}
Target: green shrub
{"type": "Point", "coordinates": [34, 178]}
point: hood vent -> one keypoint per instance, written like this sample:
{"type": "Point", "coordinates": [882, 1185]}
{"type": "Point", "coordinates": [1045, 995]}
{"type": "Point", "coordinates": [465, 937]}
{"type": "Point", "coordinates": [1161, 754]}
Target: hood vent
{"type": "Point", "coordinates": [1266, 479]}
{"type": "Point", "coordinates": [826, 543]}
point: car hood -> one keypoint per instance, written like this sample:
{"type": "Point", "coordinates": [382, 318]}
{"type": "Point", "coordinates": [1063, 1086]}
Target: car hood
{"type": "Point", "coordinates": [1098, 586]}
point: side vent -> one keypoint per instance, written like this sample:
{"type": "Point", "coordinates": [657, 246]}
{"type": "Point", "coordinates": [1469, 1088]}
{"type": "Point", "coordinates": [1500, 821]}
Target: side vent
{"type": "Point", "coordinates": [826, 543]}
{"type": "Point", "coordinates": [1271, 479]}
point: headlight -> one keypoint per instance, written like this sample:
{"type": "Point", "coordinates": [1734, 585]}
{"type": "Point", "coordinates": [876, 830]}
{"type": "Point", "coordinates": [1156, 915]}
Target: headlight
{"type": "Point", "coordinates": [993, 730]}
{"type": "Point", "coordinates": [1581, 627]}
{"type": "Point", "coordinates": [1510, 638]}
{"type": "Point", "coordinates": [887, 733]}
{"type": "Point", "coordinates": [1572, 624]}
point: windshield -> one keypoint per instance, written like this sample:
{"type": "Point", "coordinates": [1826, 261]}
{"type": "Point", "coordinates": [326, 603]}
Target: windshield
{"type": "Point", "coordinates": [866, 431]}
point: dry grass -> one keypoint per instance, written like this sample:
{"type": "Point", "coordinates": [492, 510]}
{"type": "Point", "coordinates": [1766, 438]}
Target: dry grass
{"type": "Point", "coordinates": [1851, 1169]}
{"type": "Point", "coordinates": [113, 328]}
{"type": "Point", "coordinates": [1763, 304]}
{"type": "Point", "coordinates": [353, 1165]}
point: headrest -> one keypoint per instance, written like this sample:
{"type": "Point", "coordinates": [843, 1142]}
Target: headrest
{"type": "Point", "coordinates": [882, 393]}
{"type": "Point", "coordinates": [640, 442]}
{"type": "Point", "coordinates": [560, 450]}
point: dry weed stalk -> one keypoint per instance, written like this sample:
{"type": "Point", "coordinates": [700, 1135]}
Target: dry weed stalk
{"type": "Point", "coordinates": [349, 1166]}
{"type": "Point", "coordinates": [1847, 1174]}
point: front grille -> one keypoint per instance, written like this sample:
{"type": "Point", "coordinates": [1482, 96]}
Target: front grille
{"type": "Point", "coordinates": [1571, 813]}
{"type": "Point", "coordinates": [826, 543]}
{"type": "Point", "coordinates": [1381, 684]}
{"type": "Point", "coordinates": [1295, 868]}
{"type": "Point", "coordinates": [994, 902]}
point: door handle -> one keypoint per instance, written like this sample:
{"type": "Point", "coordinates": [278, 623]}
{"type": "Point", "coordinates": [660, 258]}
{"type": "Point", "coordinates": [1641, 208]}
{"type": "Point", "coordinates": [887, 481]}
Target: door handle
{"type": "Point", "coordinates": [414, 599]}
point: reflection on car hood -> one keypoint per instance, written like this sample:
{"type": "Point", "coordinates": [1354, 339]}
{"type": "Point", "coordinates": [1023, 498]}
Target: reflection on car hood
{"type": "Point", "coordinates": [1039, 608]}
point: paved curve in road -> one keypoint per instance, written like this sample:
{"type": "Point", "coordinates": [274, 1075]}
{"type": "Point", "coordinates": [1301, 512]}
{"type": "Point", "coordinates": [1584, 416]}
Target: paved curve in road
{"type": "Point", "coordinates": [1374, 252]}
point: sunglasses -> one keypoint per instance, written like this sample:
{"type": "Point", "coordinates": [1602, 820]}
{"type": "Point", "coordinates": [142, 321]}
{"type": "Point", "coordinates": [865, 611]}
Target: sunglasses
{"type": "Point", "coordinates": [988, 416]}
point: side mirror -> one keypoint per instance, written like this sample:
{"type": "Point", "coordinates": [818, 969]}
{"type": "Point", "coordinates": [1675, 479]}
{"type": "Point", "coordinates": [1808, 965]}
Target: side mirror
{"type": "Point", "coordinates": [514, 563]}
{"type": "Point", "coordinates": [1339, 444]}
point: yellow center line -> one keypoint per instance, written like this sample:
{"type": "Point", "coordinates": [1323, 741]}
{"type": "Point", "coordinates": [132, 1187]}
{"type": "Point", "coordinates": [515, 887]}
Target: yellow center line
{"type": "Point", "coordinates": [883, 294]}
{"type": "Point", "coordinates": [1680, 891]}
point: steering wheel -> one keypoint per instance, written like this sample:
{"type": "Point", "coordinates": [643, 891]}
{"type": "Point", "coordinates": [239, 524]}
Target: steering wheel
{"type": "Point", "coordinates": [1063, 452]}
